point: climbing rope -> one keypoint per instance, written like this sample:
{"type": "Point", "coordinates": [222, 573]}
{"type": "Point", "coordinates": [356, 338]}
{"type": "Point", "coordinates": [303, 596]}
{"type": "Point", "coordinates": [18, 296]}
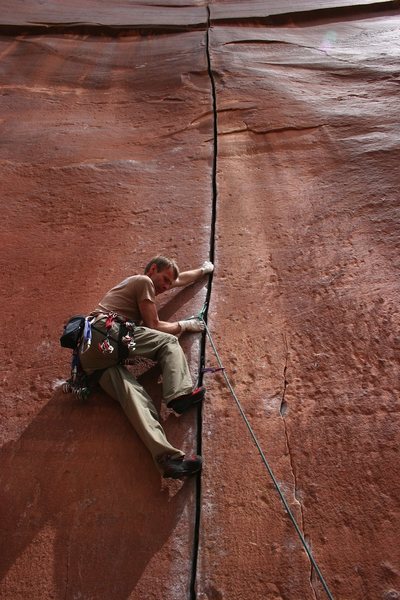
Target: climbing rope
{"type": "Point", "coordinates": [221, 368]}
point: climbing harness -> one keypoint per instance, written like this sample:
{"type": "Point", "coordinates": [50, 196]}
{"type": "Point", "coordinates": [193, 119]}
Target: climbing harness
{"type": "Point", "coordinates": [221, 368]}
{"type": "Point", "coordinates": [77, 335]}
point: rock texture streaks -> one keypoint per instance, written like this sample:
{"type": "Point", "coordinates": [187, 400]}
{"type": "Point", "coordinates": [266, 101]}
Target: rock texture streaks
{"type": "Point", "coordinates": [307, 257]}
{"type": "Point", "coordinates": [103, 166]}
{"type": "Point", "coordinates": [267, 138]}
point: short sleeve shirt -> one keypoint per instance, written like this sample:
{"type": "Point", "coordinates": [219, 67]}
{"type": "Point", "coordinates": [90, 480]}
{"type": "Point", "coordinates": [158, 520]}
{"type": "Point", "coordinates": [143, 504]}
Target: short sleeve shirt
{"type": "Point", "coordinates": [124, 298]}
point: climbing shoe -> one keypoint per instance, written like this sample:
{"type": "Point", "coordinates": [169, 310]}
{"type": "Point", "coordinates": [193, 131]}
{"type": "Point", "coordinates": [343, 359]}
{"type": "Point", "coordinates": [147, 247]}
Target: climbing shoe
{"type": "Point", "coordinates": [180, 467]}
{"type": "Point", "coordinates": [183, 403]}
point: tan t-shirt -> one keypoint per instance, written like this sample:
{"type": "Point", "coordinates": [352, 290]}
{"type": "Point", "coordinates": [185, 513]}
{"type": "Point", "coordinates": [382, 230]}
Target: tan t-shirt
{"type": "Point", "coordinates": [125, 297]}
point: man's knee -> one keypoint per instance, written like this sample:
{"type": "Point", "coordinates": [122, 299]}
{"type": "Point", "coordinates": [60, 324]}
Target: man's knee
{"type": "Point", "coordinates": [172, 339]}
{"type": "Point", "coordinates": [152, 336]}
{"type": "Point", "coordinates": [166, 339]}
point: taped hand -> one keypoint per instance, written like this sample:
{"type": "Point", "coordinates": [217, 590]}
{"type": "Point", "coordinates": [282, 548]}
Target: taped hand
{"type": "Point", "coordinates": [207, 267]}
{"type": "Point", "coordinates": [191, 325]}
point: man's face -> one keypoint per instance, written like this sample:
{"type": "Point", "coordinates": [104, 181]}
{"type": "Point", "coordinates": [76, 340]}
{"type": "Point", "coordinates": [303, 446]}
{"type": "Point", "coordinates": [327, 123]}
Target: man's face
{"type": "Point", "coordinates": [162, 279]}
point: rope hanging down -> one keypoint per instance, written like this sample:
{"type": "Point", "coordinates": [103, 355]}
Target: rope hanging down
{"type": "Point", "coordinates": [275, 482]}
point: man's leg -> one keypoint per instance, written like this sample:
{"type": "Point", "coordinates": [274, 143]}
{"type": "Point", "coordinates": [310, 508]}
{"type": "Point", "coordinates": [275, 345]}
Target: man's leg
{"type": "Point", "coordinates": [120, 384]}
{"type": "Point", "coordinates": [166, 350]}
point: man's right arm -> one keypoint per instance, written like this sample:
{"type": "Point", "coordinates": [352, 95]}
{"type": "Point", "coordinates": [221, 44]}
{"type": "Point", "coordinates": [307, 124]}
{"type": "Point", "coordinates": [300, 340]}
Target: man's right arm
{"type": "Point", "coordinates": [148, 311]}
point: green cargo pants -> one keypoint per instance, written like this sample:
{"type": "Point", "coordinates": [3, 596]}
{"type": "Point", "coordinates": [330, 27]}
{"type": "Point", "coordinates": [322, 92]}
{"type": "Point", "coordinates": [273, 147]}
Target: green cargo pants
{"type": "Point", "coordinates": [121, 385]}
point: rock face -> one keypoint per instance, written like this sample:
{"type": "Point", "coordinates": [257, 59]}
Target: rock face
{"type": "Point", "coordinates": [103, 167]}
{"type": "Point", "coordinates": [264, 138]}
{"type": "Point", "coordinates": [307, 252]}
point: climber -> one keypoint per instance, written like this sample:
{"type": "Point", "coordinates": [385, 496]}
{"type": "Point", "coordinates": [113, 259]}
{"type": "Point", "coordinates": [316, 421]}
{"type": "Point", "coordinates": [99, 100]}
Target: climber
{"type": "Point", "coordinates": [125, 324]}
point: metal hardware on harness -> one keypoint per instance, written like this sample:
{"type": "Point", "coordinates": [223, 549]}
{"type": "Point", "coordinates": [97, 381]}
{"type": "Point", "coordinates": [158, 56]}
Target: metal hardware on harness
{"type": "Point", "coordinates": [86, 335]}
{"type": "Point", "coordinates": [125, 341]}
{"type": "Point", "coordinates": [128, 340]}
{"type": "Point", "coordinates": [105, 347]}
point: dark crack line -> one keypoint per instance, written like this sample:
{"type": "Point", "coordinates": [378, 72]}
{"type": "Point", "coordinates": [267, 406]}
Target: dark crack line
{"type": "Point", "coordinates": [96, 29]}
{"type": "Point", "coordinates": [196, 535]}
{"type": "Point", "coordinates": [296, 17]}
{"type": "Point", "coordinates": [67, 569]}
{"type": "Point", "coordinates": [250, 130]}
{"type": "Point", "coordinates": [283, 410]}
{"type": "Point", "coordinates": [283, 406]}
{"type": "Point", "coordinates": [323, 15]}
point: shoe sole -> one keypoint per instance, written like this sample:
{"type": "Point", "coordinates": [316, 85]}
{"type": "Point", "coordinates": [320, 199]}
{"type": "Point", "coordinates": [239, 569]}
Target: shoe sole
{"type": "Point", "coordinates": [183, 474]}
{"type": "Point", "coordinates": [197, 399]}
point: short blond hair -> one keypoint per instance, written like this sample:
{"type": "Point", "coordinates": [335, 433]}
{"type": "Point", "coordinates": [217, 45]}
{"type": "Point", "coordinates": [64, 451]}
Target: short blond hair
{"type": "Point", "coordinates": [162, 262]}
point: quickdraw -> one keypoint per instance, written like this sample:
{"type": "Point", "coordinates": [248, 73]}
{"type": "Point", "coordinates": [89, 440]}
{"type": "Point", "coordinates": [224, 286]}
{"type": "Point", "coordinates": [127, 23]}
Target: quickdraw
{"type": "Point", "coordinates": [105, 346]}
{"type": "Point", "coordinates": [86, 335]}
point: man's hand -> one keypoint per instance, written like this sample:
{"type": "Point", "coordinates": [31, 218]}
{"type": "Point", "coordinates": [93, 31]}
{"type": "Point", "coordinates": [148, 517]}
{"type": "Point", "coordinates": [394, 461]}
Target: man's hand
{"type": "Point", "coordinates": [189, 277]}
{"type": "Point", "coordinates": [207, 267]}
{"type": "Point", "coordinates": [192, 325]}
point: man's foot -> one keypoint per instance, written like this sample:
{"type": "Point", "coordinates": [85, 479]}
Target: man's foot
{"type": "Point", "coordinates": [180, 467]}
{"type": "Point", "coordinates": [183, 403]}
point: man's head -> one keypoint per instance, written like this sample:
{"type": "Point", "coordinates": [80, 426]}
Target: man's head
{"type": "Point", "coordinates": [163, 272]}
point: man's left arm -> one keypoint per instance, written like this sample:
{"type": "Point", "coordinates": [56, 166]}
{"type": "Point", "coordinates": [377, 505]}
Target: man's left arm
{"type": "Point", "coordinates": [188, 277]}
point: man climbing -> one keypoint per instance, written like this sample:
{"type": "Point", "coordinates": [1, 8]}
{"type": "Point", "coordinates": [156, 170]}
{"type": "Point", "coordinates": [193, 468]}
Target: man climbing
{"type": "Point", "coordinates": [125, 325]}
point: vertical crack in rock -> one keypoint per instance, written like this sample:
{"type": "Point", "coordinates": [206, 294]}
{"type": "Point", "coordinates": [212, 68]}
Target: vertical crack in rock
{"type": "Point", "coordinates": [283, 411]}
{"type": "Point", "coordinates": [283, 406]}
{"type": "Point", "coordinates": [208, 295]}
{"type": "Point", "coordinates": [67, 568]}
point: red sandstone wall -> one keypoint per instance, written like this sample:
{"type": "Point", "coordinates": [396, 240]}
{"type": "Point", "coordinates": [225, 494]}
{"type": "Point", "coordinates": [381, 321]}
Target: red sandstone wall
{"type": "Point", "coordinates": [102, 167]}
{"type": "Point", "coordinates": [107, 157]}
